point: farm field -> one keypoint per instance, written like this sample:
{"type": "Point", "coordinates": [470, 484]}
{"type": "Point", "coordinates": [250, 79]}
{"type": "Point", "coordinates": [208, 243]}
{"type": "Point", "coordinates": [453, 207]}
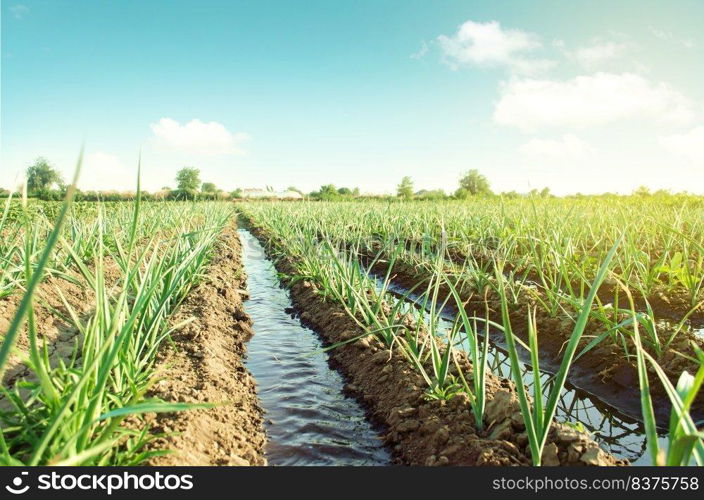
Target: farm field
{"type": "Point", "coordinates": [543, 256]}
{"type": "Point", "coordinates": [524, 267]}
{"type": "Point", "coordinates": [481, 332]}
{"type": "Point", "coordinates": [100, 346]}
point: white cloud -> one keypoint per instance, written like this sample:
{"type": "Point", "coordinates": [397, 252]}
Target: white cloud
{"type": "Point", "coordinates": [421, 52]}
{"type": "Point", "coordinates": [102, 171]}
{"type": "Point", "coordinates": [666, 36]}
{"type": "Point", "coordinates": [568, 147]}
{"type": "Point", "coordinates": [19, 11]}
{"type": "Point", "coordinates": [583, 101]}
{"type": "Point", "coordinates": [689, 145]}
{"type": "Point", "coordinates": [489, 45]}
{"type": "Point", "coordinates": [599, 53]}
{"type": "Point", "coordinates": [198, 137]}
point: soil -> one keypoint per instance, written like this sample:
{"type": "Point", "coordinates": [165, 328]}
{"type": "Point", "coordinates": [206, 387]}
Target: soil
{"type": "Point", "coordinates": [666, 304]}
{"type": "Point", "coordinates": [603, 371]}
{"type": "Point", "coordinates": [421, 431]}
{"type": "Point", "coordinates": [204, 364]}
{"type": "Point", "coordinates": [51, 318]}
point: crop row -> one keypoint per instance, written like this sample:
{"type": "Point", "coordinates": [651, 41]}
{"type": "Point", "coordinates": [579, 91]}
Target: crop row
{"type": "Point", "coordinates": [318, 237]}
{"type": "Point", "coordinates": [135, 262]}
{"type": "Point", "coordinates": [371, 231]}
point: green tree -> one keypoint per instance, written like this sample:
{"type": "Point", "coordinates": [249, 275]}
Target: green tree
{"type": "Point", "coordinates": [328, 192]}
{"type": "Point", "coordinates": [188, 179]}
{"type": "Point", "coordinates": [209, 187]}
{"type": "Point", "coordinates": [41, 175]}
{"type": "Point", "coordinates": [472, 184]}
{"type": "Point", "coordinates": [405, 189]}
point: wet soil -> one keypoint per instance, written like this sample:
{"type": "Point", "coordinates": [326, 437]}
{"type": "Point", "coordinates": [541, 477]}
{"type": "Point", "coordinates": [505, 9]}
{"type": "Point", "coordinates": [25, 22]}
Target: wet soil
{"type": "Point", "coordinates": [418, 430]}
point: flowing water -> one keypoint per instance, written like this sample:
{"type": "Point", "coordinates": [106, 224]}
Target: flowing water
{"type": "Point", "coordinates": [309, 421]}
{"type": "Point", "coordinates": [618, 434]}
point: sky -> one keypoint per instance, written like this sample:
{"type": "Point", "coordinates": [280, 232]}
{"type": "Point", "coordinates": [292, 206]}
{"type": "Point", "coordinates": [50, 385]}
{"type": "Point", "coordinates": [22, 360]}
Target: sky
{"type": "Point", "coordinates": [580, 96]}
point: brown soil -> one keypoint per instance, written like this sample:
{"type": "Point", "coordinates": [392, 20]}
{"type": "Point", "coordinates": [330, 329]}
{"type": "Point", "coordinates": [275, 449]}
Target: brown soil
{"type": "Point", "coordinates": [666, 304]}
{"type": "Point", "coordinates": [204, 364]}
{"type": "Point", "coordinates": [52, 320]}
{"type": "Point", "coordinates": [422, 432]}
{"type": "Point", "coordinates": [603, 371]}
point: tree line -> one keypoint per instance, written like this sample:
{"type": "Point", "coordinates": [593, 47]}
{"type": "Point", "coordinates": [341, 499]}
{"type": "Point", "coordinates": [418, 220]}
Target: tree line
{"type": "Point", "coordinates": [45, 182]}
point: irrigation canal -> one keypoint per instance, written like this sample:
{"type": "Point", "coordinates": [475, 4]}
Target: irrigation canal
{"type": "Point", "coordinates": [620, 435]}
{"type": "Point", "coordinates": [309, 421]}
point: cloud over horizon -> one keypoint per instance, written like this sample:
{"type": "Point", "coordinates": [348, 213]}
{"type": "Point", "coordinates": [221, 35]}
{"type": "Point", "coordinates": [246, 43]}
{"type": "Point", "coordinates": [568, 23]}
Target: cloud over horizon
{"type": "Point", "coordinates": [197, 137]}
{"type": "Point", "coordinates": [99, 166]}
{"type": "Point", "coordinates": [589, 100]}
{"type": "Point", "coordinates": [689, 145]}
{"type": "Point", "coordinates": [568, 146]}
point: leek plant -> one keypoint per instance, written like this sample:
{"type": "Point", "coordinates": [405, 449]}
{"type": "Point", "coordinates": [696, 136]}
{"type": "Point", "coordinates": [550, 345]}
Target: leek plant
{"type": "Point", "coordinates": [73, 411]}
{"type": "Point", "coordinates": [538, 419]}
{"type": "Point", "coordinates": [479, 356]}
{"type": "Point", "coordinates": [685, 441]}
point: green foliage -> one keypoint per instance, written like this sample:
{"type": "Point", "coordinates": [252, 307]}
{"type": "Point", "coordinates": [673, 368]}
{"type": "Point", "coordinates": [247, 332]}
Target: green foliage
{"type": "Point", "coordinates": [472, 184]}
{"type": "Point", "coordinates": [405, 188]}
{"type": "Point", "coordinates": [433, 195]}
{"type": "Point", "coordinates": [209, 187]}
{"type": "Point", "coordinates": [538, 419]}
{"type": "Point", "coordinates": [41, 176]}
{"type": "Point", "coordinates": [72, 412]}
{"type": "Point", "coordinates": [188, 181]}
{"type": "Point", "coordinates": [328, 192]}
{"type": "Point", "coordinates": [558, 251]}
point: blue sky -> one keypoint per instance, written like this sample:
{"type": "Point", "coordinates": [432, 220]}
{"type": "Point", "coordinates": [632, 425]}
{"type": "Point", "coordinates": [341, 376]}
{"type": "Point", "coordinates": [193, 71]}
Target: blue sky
{"type": "Point", "coordinates": [586, 96]}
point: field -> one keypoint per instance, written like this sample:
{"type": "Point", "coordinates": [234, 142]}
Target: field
{"type": "Point", "coordinates": [480, 332]}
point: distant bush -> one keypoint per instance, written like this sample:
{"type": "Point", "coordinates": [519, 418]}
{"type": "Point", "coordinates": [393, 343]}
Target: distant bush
{"type": "Point", "coordinates": [431, 195]}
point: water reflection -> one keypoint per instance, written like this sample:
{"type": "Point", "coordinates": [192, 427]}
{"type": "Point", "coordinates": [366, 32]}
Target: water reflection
{"type": "Point", "coordinates": [617, 434]}
{"type": "Point", "coordinates": [308, 419]}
